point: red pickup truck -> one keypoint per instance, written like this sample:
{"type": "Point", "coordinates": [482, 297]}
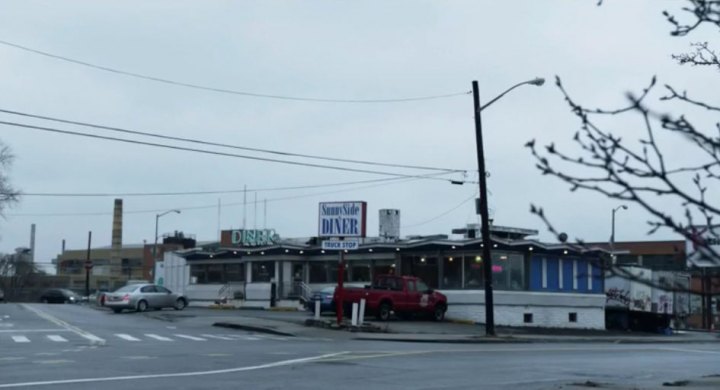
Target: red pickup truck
{"type": "Point", "coordinates": [405, 295]}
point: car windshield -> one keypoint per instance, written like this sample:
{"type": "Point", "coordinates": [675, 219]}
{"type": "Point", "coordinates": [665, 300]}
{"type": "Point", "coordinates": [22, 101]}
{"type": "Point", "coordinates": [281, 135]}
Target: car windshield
{"type": "Point", "coordinates": [328, 290]}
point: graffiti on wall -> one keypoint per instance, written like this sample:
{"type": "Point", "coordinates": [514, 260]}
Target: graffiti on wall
{"type": "Point", "coordinates": [641, 301]}
{"type": "Point", "coordinates": [618, 295]}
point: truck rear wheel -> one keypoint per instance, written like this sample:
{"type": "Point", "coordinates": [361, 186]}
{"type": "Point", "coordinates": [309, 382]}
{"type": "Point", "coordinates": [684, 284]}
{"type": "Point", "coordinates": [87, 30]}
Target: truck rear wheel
{"type": "Point", "coordinates": [439, 313]}
{"type": "Point", "coordinates": [384, 310]}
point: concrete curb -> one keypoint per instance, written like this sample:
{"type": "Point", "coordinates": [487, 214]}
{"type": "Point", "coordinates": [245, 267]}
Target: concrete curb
{"type": "Point", "coordinates": [283, 309]}
{"type": "Point", "coordinates": [520, 340]}
{"type": "Point", "coordinates": [252, 328]}
{"type": "Point", "coordinates": [488, 340]}
{"type": "Point", "coordinates": [464, 322]}
{"type": "Point", "coordinates": [221, 307]}
{"type": "Point", "coordinates": [231, 307]}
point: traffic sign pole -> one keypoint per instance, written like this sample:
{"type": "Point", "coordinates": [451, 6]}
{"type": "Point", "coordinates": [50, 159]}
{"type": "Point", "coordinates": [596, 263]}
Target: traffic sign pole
{"type": "Point", "coordinates": [88, 266]}
{"type": "Point", "coordinates": [339, 289]}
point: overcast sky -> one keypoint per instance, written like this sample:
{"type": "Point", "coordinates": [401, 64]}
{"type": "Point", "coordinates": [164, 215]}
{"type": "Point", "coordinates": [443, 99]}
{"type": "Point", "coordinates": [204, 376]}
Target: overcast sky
{"type": "Point", "coordinates": [326, 50]}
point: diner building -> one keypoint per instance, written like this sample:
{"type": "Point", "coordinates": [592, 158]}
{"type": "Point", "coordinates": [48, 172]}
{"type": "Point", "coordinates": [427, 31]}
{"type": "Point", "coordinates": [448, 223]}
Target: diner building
{"type": "Point", "coordinates": [535, 283]}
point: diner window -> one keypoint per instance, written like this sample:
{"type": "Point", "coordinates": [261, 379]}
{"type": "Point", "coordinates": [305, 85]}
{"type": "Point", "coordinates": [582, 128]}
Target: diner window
{"type": "Point", "coordinates": [383, 267]}
{"type": "Point", "coordinates": [452, 272]}
{"type": "Point", "coordinates": [198, 273]}
{"type": "Point", "coordinates": [508, 271]}
{"type": "Point", "coordinates": [423, 267]}
{"type": "Point", "coordinates": [262, 271]}
{"type": "Point", "coordinates": [359, 271]}
{"type": "Point", "coordinates": [473, 271]}
{"type": "Point", "coordinates": [325, 272]}
{"type": "Point", "coordinates": [234, 273]}
{"type": "Point", "coordinates": [214, 273]}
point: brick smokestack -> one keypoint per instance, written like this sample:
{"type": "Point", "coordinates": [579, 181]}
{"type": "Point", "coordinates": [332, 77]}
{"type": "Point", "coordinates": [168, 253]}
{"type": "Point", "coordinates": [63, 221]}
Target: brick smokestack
{"type": "Point", "coordinates": [117, 229]}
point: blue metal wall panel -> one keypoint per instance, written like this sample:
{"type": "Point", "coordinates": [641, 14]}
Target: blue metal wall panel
{"type": "Point", "coordinates": [599, 281]}
{"type": "Point", "coordinates": [567, 275]}
{"type": "Point", "coordinates": [536, 273]}
{"type": "Point", "coordinates": [553, 278]}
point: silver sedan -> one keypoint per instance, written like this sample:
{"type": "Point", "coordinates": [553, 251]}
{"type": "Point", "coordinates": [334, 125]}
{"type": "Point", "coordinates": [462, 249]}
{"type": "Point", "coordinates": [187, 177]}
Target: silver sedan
{"type": "Point", "coordinates": [141, 297]}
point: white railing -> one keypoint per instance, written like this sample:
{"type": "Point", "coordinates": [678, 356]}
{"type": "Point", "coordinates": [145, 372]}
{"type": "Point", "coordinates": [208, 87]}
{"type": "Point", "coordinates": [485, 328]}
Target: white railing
{"type": "Point", "coordinates": [229, 291]}
{"type": "Point", "coordinates": [306, 291]}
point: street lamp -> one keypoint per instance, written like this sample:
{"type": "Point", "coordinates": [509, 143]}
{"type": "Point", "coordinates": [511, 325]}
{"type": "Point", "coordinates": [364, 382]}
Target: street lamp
{"type": "Point", "coordinates": [612, 232]}
{"type": "Point", "coordinates": [484, 218]}
{"type": "Point", "coordinates": [157, 218]}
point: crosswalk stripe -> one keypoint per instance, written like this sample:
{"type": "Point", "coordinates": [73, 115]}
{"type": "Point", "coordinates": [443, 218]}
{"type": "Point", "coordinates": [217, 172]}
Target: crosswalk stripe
{"type": "Point", "coordinates": [276, 338]}
{"type": "Point", "coordinates": [156, 337]}
{"type": "Point", "coordinates": [20, 339]}
{"type": "Point", "coordinates": [184, 336]}
{"type": "Point", "coordinates": [57, 338]}
{"type": "Point", "coordinates": [216, 337]}
{"type": "Point", "coordinates": [241, 337]}
{"type": "Point", "coordinates": [126, 337]}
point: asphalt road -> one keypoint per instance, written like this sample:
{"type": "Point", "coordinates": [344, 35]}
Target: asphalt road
{"type": "Point", "coordinates": [79, 347]}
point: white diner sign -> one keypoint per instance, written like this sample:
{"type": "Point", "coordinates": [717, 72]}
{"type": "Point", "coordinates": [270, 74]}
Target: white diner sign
{"type": "Point", "coordinates": [337, 245]}
{"type": "Point", "coordinates": [342, 219]}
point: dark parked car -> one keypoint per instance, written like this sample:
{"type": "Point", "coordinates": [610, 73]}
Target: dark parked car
{"type": "Point", "coordinates": [325, 296]}
{"type": "Point", "coordinates": [59, 295]}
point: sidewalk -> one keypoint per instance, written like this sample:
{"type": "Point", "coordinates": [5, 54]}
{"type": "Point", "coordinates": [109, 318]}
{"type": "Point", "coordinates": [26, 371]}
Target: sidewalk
{"type": "Point", "coordinates": [293, 323]}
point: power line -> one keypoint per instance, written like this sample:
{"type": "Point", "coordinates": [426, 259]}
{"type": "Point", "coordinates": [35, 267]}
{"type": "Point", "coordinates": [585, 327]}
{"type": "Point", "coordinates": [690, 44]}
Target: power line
{"type": "Point", "coordinates": [444, 213]}
{"type": "Point", "coordinates": [207, 206]}
{"type": "Point", "coordinates": [229, 91]}
{"type": "Point", "coordinates": [140, 194]}
{"type": "Point", "coordinates": [68, 132]}
{"type": "Point", "coordinates": [155, 135]}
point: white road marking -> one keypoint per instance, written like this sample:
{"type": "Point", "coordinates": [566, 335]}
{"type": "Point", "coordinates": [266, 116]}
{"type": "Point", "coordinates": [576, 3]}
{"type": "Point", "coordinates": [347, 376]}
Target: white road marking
{"type": "Point", "coordinates": [156, 337]}
{"type": "Point", "coordinates": [20, 339]}
{"type": "Point", "coordinates": [184, 336]}
{"type": "Point", "coordinates": [672, 349]}
{"type": "Point", "coordinates": [242, 337]}
{"type": "Point", "coordinates": [63, 324]}
{"type": "Point", "coordinates": [35, 330]}
{"type": "Point", "coordinates": [126, 337]}
{"type": "Point", "coordinates": [57, 361]}
{"type": "Point", "coordinates": [174, 375]}
{"type": "Point", "coordinates": [212, 336]}
{"type": "Point", "coordinates": [276, 338]}
{"type": "Point", "coordinates": [93, 339]}
{"type": "Point", "coordinates": [138, 357]}
{"type": "Point", "coordinates": [57, 338]}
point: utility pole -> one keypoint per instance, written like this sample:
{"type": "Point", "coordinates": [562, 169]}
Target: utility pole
{"type": "Point", "coordinates": [484, 218]}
